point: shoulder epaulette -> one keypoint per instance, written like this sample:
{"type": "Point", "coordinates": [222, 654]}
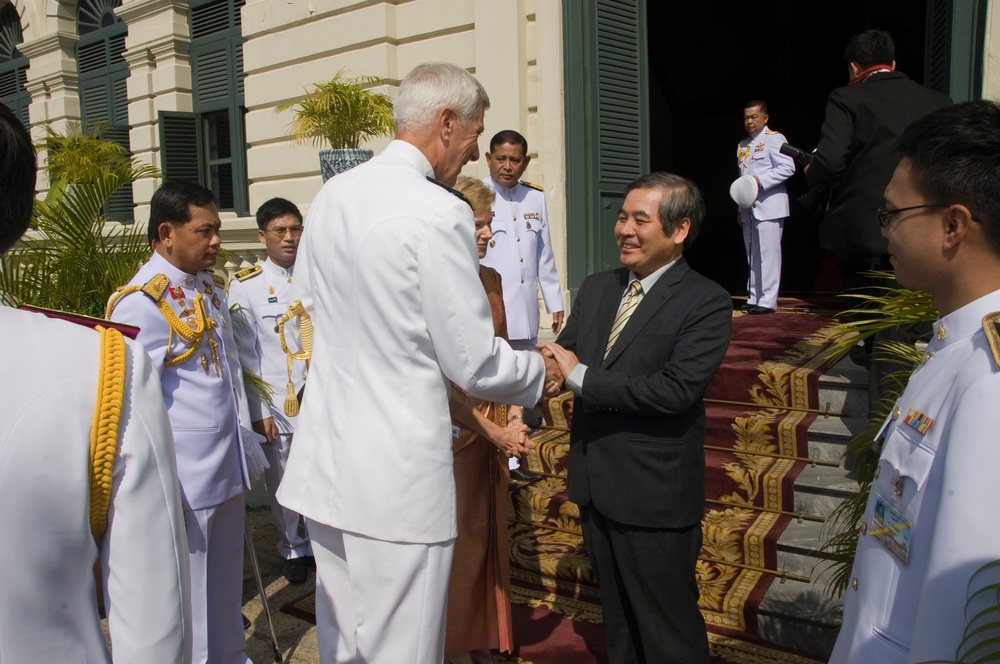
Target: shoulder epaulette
{"type": "Point", "coordinates": [220, 281]}
{"type": "Point", "coordinates": [991, 327]}
{"type": "Point", "coordinates": [155, 286]}
{"type": "Point", "coordinates": [771, 131]}
{"type": "Point", "coordinates": [130, 331]}
{"type": "Point", "coordinates": [532, 185]}
{"type": "Point", "coordinates": [450, 190]}
{"type": "Point", "coordinates": [243, 275]}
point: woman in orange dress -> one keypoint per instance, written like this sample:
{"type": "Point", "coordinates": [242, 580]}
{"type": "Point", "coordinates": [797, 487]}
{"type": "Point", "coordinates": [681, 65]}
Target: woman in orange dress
{"type": "Point", "coordinates": [479, 615]}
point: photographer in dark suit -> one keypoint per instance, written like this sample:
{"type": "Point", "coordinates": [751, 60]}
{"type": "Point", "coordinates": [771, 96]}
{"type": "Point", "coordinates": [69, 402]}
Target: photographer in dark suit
{"type": "Point", "coordinates": [639, 349]}
{"type": "Point", "coordinates": [854, 158]}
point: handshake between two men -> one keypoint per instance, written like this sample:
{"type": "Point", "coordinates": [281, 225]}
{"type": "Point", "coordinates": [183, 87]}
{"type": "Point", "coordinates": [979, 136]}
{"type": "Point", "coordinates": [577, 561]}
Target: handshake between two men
{"type": "Point", "coordinates": [513, 439]}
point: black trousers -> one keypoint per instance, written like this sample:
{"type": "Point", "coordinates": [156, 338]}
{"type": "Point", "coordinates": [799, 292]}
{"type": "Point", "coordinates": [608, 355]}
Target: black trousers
{"type": "Point", "coordinates": [649, 593]}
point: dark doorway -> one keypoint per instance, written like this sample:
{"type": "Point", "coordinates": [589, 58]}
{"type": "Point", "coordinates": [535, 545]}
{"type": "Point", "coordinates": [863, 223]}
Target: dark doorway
{"type": "Point", "coordinates": [705, 64]}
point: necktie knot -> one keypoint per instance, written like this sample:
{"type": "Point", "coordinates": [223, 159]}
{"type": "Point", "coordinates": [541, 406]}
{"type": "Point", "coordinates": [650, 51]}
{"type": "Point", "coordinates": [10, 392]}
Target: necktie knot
{"type": "Point", "coordinates": [634, 289]}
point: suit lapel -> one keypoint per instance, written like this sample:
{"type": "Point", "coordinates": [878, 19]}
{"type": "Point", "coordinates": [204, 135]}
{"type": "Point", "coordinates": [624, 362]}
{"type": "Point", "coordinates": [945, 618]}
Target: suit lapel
{"type": "Point", "coordinates": [607, 310]}
{"type": "Point", "coordinates": [651, 303]}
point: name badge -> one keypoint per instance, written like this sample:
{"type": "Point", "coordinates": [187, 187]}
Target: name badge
{"type": "Point", "coordinates": [272, 300]}
{"type": "Point", "coordinates": [892, 527]}
{"type": "Point", "coordinates": [455, 431]}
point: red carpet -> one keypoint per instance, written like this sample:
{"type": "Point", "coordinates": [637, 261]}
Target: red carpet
{"type": "Point", "coordinates": [770, 372]}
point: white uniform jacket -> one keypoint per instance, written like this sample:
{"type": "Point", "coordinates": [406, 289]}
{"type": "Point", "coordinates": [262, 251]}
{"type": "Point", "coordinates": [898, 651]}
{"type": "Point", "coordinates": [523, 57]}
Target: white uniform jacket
{"type": "Point", "coordinates": [521, 251]}
{"type": "Point", "coordinates": [762, 157]}
{"type": "Point", "coordinates": [47, 608]}
{"type": "Point", "coordinates": [938, 467]}
{"type": "Point", "coordinates": [388, 270]}
{"type": "Point", "coordinates": [204, 395]}
{"type": "Point", "coordinates": [257, 302]}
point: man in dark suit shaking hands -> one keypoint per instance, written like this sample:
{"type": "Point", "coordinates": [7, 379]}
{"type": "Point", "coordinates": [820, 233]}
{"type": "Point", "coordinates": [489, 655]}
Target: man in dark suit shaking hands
{"type": "Point", "coordinates": [641, 344]}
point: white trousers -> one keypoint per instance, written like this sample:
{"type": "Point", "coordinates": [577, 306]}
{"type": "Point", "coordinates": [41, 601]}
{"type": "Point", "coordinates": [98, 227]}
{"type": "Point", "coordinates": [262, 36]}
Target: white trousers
{"type": "Point", "coordinates": [379, 602]}
{"type": "Point", "coordinates": [762, 241]}
{"type": "Point", "coordinates": [290, 543]}
{"type": "Point", "coordinates": [215, 548]}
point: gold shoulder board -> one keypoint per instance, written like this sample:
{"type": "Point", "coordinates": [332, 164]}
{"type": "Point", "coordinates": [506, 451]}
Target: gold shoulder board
{"type": "Point", "coordinates": [991, 327]}
{"type": "Point", "coordinates": [532, 185]}
{"type": "Point", "coordinates": [243, 275]}
{"type": "Point", "coordinates": [771, 131]}
{"type": "Point", "coordinates": [155, 286]}
{"type": "Point", "coordinates": [219, 281]}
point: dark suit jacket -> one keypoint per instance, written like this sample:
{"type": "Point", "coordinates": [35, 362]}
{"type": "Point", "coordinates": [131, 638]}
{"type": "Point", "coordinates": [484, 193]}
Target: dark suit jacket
{"type": "Point", "coordinates": [855, 155]}
{"type": "Point", "coordinates": [636, 451]}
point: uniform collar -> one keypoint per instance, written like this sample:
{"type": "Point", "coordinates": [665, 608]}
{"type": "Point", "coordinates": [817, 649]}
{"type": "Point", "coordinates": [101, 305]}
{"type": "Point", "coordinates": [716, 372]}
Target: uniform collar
{"type": "Point", "coordinates": [502, 190]}
{"type": "Point", "coordinates": [175, 274]}
{"type": "Point", "coordinates": [274, 268]}
{"type": "Point", "coordinates": [410, 154]}
{"type": "Point", "coordinates": [759, 136]}
{"type": "Point", "coordinates": [964, 322]}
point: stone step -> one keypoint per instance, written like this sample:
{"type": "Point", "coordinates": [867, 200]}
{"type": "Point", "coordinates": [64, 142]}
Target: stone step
{"type": "Point", "coordinates": [828, 436]}
{"type": "Point", "coordinates": [801, 616]}
{"type": "Point", "coordinates": [844, 389]}
{"type": "Point", "coordinates": [820, 489]}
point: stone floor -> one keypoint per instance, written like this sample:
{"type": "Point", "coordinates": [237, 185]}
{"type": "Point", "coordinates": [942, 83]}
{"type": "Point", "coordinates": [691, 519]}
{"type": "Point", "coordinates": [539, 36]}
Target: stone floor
{"type": "Point", "coordinates": [296, 638]}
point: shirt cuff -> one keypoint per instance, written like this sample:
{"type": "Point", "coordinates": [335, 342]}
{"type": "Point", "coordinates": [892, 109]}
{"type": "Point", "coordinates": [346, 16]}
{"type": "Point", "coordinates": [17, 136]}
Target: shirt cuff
{"type": "Point", "coordinates": [574, 381]}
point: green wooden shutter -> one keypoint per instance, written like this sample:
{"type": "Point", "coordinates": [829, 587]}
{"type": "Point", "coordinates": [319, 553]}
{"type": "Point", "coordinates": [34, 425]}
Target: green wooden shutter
{"type": "Point", "coordinates": [103, 94]}
{"type": "Point", "coordinates": [13, 65]}
{"type": "Point", "coordinates": [217, 72]}
{"type": "Point", "coordinates": [179, 146]}
{"type": "Point", "coordinates": [607, 124]}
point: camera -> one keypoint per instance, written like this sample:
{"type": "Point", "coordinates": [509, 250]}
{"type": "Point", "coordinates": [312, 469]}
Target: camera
{"type": "Point", "coordinates": [801, 157]}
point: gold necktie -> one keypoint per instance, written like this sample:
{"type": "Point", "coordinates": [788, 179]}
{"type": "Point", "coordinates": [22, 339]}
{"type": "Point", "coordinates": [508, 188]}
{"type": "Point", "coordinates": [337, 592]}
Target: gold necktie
{"type": "Point", "coordinates": [628, 305]}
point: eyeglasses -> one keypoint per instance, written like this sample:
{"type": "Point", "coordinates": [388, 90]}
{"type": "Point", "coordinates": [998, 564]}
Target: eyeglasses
{"type": "Point", "coordinates": [282, 231]}
{"type": "Point", "coordinates": [885, 216]}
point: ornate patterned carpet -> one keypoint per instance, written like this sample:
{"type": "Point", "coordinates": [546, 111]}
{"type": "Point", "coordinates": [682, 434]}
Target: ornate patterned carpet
{"type": "Point", "coordinates": [759, 406]}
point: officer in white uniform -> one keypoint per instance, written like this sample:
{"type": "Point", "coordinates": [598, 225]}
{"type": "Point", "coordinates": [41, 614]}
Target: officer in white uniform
{"type": "Point", "coordinates": [930, 521]}
{"type": "Point", "coordinates": [180, 308]}
{"type": "Point", "coordinates": [388, 272]}
{"type": "Point", "coordinates": [259, 296]}
{"type": "Point", "coordinates": [52, 373]}
{"type": "Point", "coordinates": [521, 249]}
{"type": "Point", "coordinates": [759, 156]}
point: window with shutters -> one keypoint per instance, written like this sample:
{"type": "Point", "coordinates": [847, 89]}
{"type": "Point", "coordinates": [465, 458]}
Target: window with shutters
{"type": "Point", "coordinates": [607, 124]}
{"type": "Point", "coordinates": [13, 65]}
{"type": "Point", "coordinates": [209, 145]}
{"type": "Point", "coordinates": [103, 73]}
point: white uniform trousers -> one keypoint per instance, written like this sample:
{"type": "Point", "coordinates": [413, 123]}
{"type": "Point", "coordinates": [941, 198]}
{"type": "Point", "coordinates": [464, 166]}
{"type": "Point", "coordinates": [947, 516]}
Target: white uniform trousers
{"type": "Point", "coordinates": [215, 546]}
{"type": "Point", "coordinates": [762, 241]}
{"type": "Point", "coordinates": [290, 543]}
{"type": "Point", "coordinates": [379, 602]}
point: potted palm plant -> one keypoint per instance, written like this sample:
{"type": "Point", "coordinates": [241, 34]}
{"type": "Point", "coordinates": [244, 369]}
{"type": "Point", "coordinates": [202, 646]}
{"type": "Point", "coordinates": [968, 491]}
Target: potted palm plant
{"type": "Point", "coordinates": [342, 113]}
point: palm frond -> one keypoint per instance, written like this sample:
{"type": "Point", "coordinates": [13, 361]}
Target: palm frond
{"type": "Point", "coordinates": [341, 112]}
{"type": "Point", "coordinates": [74, 258]}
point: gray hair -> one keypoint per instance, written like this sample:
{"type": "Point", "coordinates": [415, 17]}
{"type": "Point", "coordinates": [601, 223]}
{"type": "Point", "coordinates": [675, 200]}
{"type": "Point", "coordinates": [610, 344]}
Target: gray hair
{"type": "Point", "coordinates": [680, 199]}
{"type": "Point", "coordinates": [432, 86]}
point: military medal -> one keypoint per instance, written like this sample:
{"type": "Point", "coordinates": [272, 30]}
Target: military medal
{"type": "Point", "coordinates": [213, 345]}
{"type": "Point", "coordinates": [918, 421]}
{"type": "Point", "coordinates": [177, 292]}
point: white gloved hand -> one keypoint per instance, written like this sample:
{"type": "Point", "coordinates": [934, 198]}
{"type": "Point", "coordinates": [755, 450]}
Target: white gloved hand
{"type": "Point", "coordinates": [254, 456]}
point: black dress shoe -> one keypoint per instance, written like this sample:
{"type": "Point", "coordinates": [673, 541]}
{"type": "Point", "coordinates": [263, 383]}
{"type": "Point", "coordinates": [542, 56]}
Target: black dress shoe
{"type": "Point", "coordinates": [523, 476]}
{"type": "Point", "coordinates": [746, 306]}
{"type": "Point", "coordinates": [310, 561]}
{"type": "Point", "coordinates": [296, 571]}
{"type": "Point", "coordinates": [759, 310]}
